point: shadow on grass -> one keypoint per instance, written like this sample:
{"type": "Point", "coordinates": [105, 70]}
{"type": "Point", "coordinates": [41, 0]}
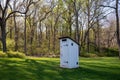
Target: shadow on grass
{"type": "Point", "coordinates": [30, 69]}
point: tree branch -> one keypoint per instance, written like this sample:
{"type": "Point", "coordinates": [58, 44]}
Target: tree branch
{"type": "Point", "coordinates": [13, 13]}
{"type": "Point", "coordinates": [45, 15]}
{"type": "Point", "coordinates": [108, 6]}
{"type": "Point", "coordinates": [1, 7]}
{"type": "Point", "coordinates": [30, 3]}
{"type": "Point", "coordinates": [6, 5]}
{"type": "Point", "coordinates": [10, 6]}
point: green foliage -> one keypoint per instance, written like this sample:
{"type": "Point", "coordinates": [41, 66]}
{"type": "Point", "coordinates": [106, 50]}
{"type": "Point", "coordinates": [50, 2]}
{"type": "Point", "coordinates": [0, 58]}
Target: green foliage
{"type": "Point", "coordinates": [104, 52]}
{"type": "Point", "coordinates": [101, 54]}
{"type": "Point", "coordinates": [2, 54]}
{"type": "Point", "coordinates": [88, 55]}
{"type": "Point", "coordinates": [110, 52]}
{"type": "Point", "coordinates": [43, 50]}
{"type": "Point", "coordinates": [48, 69]}
{"type": "Point", "coordinates": [12, 54]}
{"type": "Point", "coordinates": [10, 44]}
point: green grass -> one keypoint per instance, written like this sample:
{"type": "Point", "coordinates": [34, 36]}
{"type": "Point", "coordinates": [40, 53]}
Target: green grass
{"type": "Point", "coordinates": [48, 69]}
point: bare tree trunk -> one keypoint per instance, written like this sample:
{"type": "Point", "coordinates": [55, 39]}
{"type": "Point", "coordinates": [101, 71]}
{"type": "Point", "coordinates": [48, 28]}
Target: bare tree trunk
{"type": "Point", "coordinates": [95, 40]}
{"type": "Point", "coordinates": [15, 26]}
{"type": "Point", "coordinates": [40, 34]}
{"type": "Point", "coordinates": [11, 33]}
{"type": "Point", "coordinates": [70, 23]}
{"type": "Point", "coordinates": [16, 34]}
{"type": "Point", "coordinates": [76, 21]}
{"type": "Point", "coordinates": [117, 26]}
{"type": "Point", "coordinates": [46, 32]}
{"type": "Point", "coordinates": [70, 28]}
{"type": "Point", "coordinates": [31, 36]}
{"type": "Point", "coordinates": [88, 40]}
{"type": "Point", "coordinates": [54, 39]}
{"type": "Point", "coordinates": [3, 34]}
{"type": "Point", "coordinates": [77, 34]}
{"type": "Point", "coordinates": [77, 28]}
{"type": "Point", "coordinates": [108, 39]}
{"type": "Point", "coordinates": [25, 41]}
{"type": "Point", "coordinates": [49, 39]}
{"type": "Point", "coordinates": [11, 29]}
{"type": "Point", "coordinates": [31, 40]}
{"type": "Point", "coordinates": [98, 35]}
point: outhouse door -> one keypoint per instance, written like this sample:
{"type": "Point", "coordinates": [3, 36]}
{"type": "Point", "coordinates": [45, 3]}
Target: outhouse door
{"type": "Point", "coordinates": [64, 53]}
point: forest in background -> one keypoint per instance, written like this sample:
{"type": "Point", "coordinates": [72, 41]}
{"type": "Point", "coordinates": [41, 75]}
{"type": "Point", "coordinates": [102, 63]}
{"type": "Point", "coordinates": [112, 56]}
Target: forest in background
{"type": "Point", "coordinates": [34, 26]}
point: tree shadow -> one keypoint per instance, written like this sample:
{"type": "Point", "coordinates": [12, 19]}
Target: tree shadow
{"type": "Point", "coordinates": [30, 69]}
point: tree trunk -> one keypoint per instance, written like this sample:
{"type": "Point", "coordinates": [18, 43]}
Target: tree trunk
{"type": "Point", "coordinates": [11, 33]}
{"type": "Point", "coordinates": [119, 50]}
{"type": "Point", "coordinates": [88, 40]}
{"type": "Point", "coordinates": [16, 34]}
{"type": "Point", "coordinates": [25, 41]}
{"type": "Point", "coordinates": [3, 34]}
{"type": "Point", "coordinates": [70, 28]}
{"type": "Point", "coordinates": [76, 21]}
{"type": "Point", "coordinates": [54, 39]}
{"type": "Point", "coordinates": [98, 35]}
{"type": "Point", "coordinates": [70, 24]}
{"type": "Point", "coordinates": [95, 40]}
{"type": "Point", "coordinates": [40, 35]}
{"type": "Point", "coordinates": [49, 40]}
{"type": "Point", "coordinates": [31, 36]}
{"type": "Point", "coordinates": [117, 27]}
{"type": "Point", "coordinates": [46, 32]}
{"type": "Point", "coordinates": [31, 40]}
{"type": "Point", "coordinates": [11, 29]}
{"type": "Point", "coordinates": [77, 34]}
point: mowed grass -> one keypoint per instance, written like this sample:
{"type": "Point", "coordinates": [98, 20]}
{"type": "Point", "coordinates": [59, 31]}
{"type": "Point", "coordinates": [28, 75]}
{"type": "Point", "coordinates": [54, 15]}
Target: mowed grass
{"type": "Point", "coordinates": [48, 69]}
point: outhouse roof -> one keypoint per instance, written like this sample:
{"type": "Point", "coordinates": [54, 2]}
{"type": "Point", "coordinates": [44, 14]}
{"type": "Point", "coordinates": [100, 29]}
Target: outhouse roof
{"type": "Point", "coordinates": [70, 39]}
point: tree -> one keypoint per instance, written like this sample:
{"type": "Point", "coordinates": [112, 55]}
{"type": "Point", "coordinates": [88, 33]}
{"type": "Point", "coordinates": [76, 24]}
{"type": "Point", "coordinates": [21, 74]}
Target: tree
{"type": "Point", "coordinates": [15, 26]}
{"type": "Point", "coordinates": [116, 8]}
{"type": "Point", "coordinates": [3, 20]}
{"type": "Point", "coordinates": [68, 16]}
{"type": "Point", "coordinates": [5, 15]}
{"type": "Point", "coordinates": [117, 25]}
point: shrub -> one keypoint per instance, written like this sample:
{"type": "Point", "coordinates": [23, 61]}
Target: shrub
{"type": "Point", "coordinates": [2, 54]}
{"type": "Point", "coordinates": [12, 54]}
{"type": "Point", "coordinates": [110, 52]}
{"type": "Point", "coordinates": [88, 55]}
{"type": "Point", "coordinates": [10, 44]}
{"type": "Point", "coordinates": [101, 54]}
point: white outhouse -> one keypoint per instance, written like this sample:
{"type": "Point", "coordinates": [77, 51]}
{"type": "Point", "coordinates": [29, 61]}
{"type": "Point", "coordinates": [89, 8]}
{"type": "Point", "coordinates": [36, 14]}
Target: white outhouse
{"type": "Point", "coordinates": [69, 53]}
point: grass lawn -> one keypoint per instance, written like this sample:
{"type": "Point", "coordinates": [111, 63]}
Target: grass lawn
{"type": "Point", "coordinates": [48, 69]}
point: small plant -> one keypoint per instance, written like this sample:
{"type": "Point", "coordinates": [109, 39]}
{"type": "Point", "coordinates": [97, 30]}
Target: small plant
{"type": "Point", "coordinates": [2, 54]}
